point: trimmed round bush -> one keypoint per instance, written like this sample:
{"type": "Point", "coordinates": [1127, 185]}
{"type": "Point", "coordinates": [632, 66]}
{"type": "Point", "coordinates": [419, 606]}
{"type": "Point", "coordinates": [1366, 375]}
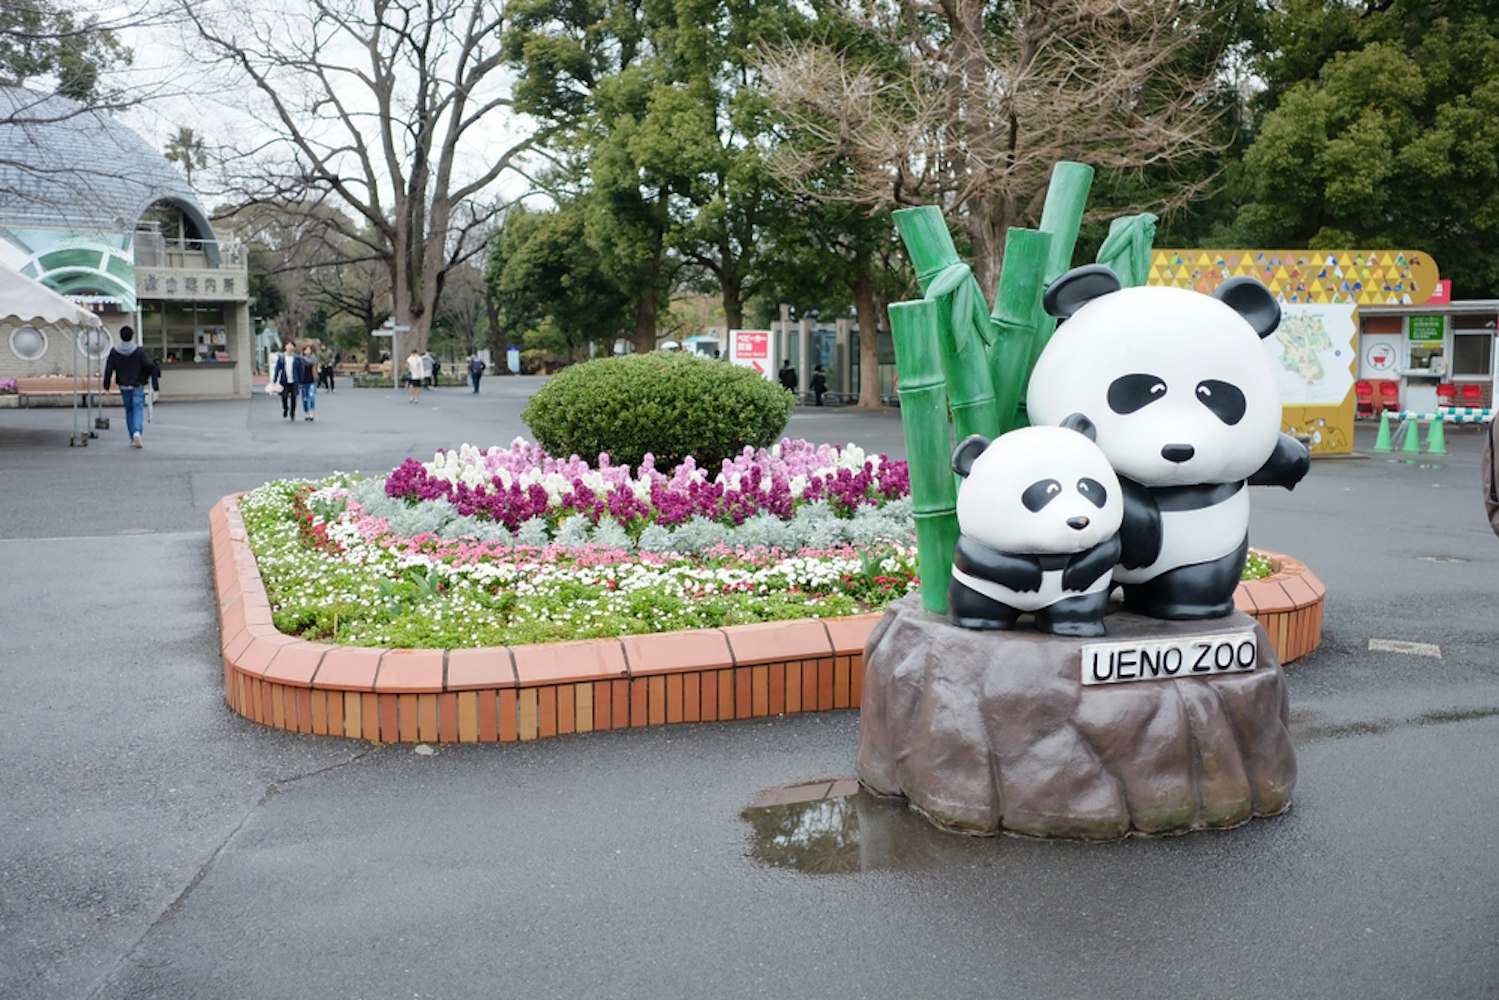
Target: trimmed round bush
{"type": "Point", "coordinates": [670, 405]}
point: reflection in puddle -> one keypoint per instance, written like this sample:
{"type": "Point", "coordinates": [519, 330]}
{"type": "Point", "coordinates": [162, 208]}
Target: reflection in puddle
{"type": "Point", "coordinates": [833, 826]}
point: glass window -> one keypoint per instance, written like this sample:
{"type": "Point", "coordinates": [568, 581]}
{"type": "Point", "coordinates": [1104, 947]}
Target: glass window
{"type": "Point", "coordinates": [1472, 354]}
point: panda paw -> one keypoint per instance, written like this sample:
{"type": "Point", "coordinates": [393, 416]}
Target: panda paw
{"type": "Point", "coordinates": [1077, 630]}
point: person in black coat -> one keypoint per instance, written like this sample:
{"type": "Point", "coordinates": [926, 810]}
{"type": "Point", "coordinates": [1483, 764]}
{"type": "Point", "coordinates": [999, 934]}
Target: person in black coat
{"type": "Point", "coordinates": [787, 375]}
{"type": "Point", "coordinates": [132, 367]}
{"type": "Point", "coordinates": [285, 374]}
{"type": "Point", "coordinates": [819, 383]}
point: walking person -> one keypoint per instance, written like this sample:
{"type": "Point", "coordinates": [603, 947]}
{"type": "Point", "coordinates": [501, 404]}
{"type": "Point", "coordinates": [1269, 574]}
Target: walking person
{"type": "Point", "coordinates": [132, 367]}
{"type": "Point", "coordinates": [819, 383]}
{"type": "Point", "coordinates": [787, 375]}
{"type": "Point", "coordinates": [415, 373]}
{"type": "Point", "coordinates": [283, 373]}
{"type": "Point", "coordinates": [476, 368]}
{"type": "Point", "coordinates": [436, 367]}
{"type": "Point", "coordinates": [325, 369]}
{"type": "Point", "coordinates": [305, 372]}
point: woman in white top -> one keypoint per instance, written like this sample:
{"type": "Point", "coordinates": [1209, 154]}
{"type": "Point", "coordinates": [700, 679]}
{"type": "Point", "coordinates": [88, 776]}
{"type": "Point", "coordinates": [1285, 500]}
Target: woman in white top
{"type": "Point", "coordinates": [414, 373]}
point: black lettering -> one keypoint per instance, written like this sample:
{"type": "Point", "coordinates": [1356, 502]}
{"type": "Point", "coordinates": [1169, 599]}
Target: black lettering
{"type": "Point", "coordinates": [1198, 666]}
{"type": "Point", "coordinates": [1151, 663]}
{"type": "Point", "coordinates": [1127, 660]}
{"type": "Point", "coordinates": [1218, 656]}
{"type": "Point", "coordinates": [1171, 661]}
{"type": "Point", "coordinates": [1106, 675]}
{"type": "Point", "coordinates": [1246, 653]}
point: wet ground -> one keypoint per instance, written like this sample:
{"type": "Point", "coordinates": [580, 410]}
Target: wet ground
{"type": "Point", "coordinates": [152, 844]}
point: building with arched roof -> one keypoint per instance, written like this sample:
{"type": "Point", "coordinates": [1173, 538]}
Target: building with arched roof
{"type": "Point", "coordinates": [91, 210]}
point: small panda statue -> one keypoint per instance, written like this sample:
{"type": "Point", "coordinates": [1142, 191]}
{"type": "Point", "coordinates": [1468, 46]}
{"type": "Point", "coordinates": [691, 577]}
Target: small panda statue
{"type": "Point", "coordinates": [1184, 401]}
{"type": "Point", "coordinates": [1039, 512]}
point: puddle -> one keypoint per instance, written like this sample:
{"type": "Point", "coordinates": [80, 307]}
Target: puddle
{"type": "Point", "coordinates": [1309, 727]}
{"type": "Point", "coordinates": [832, 826]}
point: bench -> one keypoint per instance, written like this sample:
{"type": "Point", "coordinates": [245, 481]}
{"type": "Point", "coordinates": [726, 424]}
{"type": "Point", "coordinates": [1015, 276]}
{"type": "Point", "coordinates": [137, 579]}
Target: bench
{"type": "Point", "coordinates": [44, 389]}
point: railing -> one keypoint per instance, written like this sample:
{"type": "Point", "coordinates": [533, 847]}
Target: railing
{"type": "Point", "coordinates": [154, 250]}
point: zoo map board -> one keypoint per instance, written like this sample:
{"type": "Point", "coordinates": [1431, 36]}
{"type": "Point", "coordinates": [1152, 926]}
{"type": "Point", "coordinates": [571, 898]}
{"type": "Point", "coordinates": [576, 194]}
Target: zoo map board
{"type": "Point", "coordinates": [1315, 347]}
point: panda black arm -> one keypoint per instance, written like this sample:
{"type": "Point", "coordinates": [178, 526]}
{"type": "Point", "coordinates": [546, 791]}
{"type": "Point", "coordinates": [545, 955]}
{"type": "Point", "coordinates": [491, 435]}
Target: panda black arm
{"type": "Point", "coordinates": [1086, 567]}
{"type": "Point", "coordinates": [1140, 534]}
{"type": "Point", "coordinates": [1018, 572]}
{"type": "Point", "coordinates": [1287, 465]}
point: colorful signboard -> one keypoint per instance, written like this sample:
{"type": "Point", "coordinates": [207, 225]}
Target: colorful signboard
{"type": "Point", "coordinates": [751, 349]}
{"type": "Point", "coordinates": [1316, 347]}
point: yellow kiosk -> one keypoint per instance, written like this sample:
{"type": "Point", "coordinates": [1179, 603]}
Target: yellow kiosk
{"type": "Point", "coordinates": [1316, 347]}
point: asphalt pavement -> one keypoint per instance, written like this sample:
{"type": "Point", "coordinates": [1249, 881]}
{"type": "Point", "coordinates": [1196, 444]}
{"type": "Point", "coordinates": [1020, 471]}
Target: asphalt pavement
{"type": "Point", "coordinates": [153, 844]}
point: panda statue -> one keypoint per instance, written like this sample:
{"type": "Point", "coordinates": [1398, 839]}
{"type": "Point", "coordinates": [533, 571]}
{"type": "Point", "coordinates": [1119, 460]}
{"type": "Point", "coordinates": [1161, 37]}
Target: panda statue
{"type": "Point", "coordinates": [1038, 514]}
{"type": "Point", "coordinates": [1184, 400]}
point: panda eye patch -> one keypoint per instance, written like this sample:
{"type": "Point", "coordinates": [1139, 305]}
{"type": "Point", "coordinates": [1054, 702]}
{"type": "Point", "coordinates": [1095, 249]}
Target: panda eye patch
{"type": "Point", "coordinates": [1093, 490]}
{"type": "Point", "coordinates": [1129, 393]}
{"type": "Point", "coordinates": [1038, 495]}
{"type": "Point", "coordinates": [1225, 399]}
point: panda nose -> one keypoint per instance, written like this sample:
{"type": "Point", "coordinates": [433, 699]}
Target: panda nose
{"type": "Point", "coordinates": [1077, 523]}
{"type": "Point", "coordinates": [1178, 452]}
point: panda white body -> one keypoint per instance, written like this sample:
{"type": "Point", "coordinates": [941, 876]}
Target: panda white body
{"type": "Point", "coordinates": [1186, 408]}
{"type": "Point", "coordinates": [1039, 513]}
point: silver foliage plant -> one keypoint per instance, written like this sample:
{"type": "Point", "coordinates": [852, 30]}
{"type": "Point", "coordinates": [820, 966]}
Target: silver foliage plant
{"type": "Point", "coordinates": [814, 526]}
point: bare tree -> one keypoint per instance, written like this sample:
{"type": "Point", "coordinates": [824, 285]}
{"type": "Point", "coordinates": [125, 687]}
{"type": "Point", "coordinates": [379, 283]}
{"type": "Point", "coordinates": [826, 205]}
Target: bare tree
{"type": "Point", "coordinates": [390, 109]}
{"type": "Point", "coordinates": [968, 103]}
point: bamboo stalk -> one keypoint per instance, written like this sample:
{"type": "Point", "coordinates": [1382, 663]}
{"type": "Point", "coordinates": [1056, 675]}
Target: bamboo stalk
{"type": "Point", "coordinates": [923, 414]}
{"type": "Point", "coordinates": [1065, 198]}
{"type": "Point", "coordinates": [1021, 283]}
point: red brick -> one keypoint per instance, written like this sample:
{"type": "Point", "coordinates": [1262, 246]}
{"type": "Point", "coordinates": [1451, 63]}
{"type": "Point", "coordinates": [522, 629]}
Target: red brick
{"type": "Point", "coordinates": [726, 690]}
{"type": "Point", "coordinates": [296, 664]}
{"type": "Point", "coordinates": [603, 703]}
{"type": "Point", "coordinates": [473, 669]}
{"type": "Point", "coordinates": [1269, 596]}
{"type": "Point", "coordinates": [546, 712]}
{"type": "Point", "coordinates": [409, 671]}
{"type": "Point", "coordinates": [850, 635]}
{"type": "Point", "coordinates": [304, 711]}
{"type": "Point", "coordinates": [509, 712]}
{"type": "Point", "coordinates": [619, 710]}
{"type": "Point", "coordinates": [567, 709]}
{"type": "Point", "coordinates": [793, 688]}
{"type": "Point", "coordinates": [528, 713]}
{"type": "Point", "coordinates": [709, 684]}
{"type": "Point", "coordinates": [468, 716]}
{"type": "Point", "coordinates": [675, 699]}
{"type": "Point", "coordinates": [777, 704]}
{"type": "Point", "coordinates": [348, 668]}
{"type": "Point", "coordinates": [447, 718]}
{"type": "Point", "coordinates": [791, 640]}
{"type": "Point", "coordinates": [656, 687]}
{"type": "Point", "coordinates": [568, 662]}
{"type": "Point", "coordinates": [759, 691]}
{"type": "Point", "coordinates": [409, 731]}
{"type": "Point", "coordinates": [640, 702]}
{"type": "Point", "coordinates": [390, 730]}
{"type": "Point", "coordinates": [426, 720]}
{"type": "Point", "coordinates": [743, 698]}
{"type": "Point", "coordinates": [692, 697]}
{"type": "Point", "coordinates": [674, 652]}
{"type": "Point", "coordinates": [824, 684]}
{"type": "Point", "coordinates": [370, 723]}
{"type": "Point", "coordinates": [809, 686]}
{"type": "Point", "coordinates": [320, 712]}
{"type": "Point", "coordinates": [489, 719]}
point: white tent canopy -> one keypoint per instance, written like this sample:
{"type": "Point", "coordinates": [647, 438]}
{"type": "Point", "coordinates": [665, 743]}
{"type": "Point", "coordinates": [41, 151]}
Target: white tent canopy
{"type": "Point", "coordinates": [25, 302]}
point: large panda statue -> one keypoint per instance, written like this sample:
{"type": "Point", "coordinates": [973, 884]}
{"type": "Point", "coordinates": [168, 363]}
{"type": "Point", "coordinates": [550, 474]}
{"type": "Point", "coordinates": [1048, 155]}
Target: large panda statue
{"type": "Point", "coordinates": [1185, 405]}
{"type": "Point", "coordinates": [1038, 514]}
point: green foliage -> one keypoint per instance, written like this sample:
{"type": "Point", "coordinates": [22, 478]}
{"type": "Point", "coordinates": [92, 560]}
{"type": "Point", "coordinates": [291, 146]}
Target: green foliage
{"type": "Point", "coordinates": [670, 405]}
{"type": "Point", "coordinates": [1384, 132]}
{"type": "Point", "coordinates": [42, 43]}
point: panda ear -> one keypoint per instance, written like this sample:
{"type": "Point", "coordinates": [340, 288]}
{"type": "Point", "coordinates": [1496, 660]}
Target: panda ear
{"type": "Point", "coordinates": [967, 452]}
{"type": "Point", "coordinates": [1077, 288]}
{"type": "Point", "coordinates": [1253, 301]}
{"type": "Point", "coordinates": [1081, 424]}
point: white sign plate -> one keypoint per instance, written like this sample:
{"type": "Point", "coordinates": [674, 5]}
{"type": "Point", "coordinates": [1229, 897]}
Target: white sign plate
{"type": "Point", "coordinates": [1169, 659]}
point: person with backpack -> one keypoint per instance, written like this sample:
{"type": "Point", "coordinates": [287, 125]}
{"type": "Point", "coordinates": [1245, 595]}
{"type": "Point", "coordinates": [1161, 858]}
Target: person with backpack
{"type": "Point", "coordinates": [132, 366]}
{"type": "Point", "coordinates": [476, 368]}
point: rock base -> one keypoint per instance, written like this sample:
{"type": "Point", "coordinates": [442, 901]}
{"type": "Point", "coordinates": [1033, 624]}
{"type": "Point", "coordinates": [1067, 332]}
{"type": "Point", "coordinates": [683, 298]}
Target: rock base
{"type": "Point", "coordinates": [990, 732]}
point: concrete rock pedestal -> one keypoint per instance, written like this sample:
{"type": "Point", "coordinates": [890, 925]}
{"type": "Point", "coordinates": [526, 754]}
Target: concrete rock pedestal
{"type": "Point", "coordinates": [989, 732]}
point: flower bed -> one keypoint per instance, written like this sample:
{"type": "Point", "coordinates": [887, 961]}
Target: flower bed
{"type": "Point", "coordinates": [508, 546]}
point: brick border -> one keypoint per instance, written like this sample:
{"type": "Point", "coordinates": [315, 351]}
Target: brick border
{"type": "Point", "coordinates": [503, 694]}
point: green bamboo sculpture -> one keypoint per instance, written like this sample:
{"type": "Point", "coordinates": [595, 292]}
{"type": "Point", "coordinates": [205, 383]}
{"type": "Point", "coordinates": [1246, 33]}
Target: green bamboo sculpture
{"type": "Point", "coordinates": [923, 415]}
{"type": "Point", "coordinates": [949, 352]}
{"type": "Point", "coordinates": [1126, 250]}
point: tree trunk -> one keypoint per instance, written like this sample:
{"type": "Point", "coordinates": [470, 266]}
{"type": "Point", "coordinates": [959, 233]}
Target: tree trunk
{"type": "Point", "coordinates": [733, 300]}
{"type": "Point", "coordinates": [645, 323]}
{"type": "Point", "coordinates": [869, 333]}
